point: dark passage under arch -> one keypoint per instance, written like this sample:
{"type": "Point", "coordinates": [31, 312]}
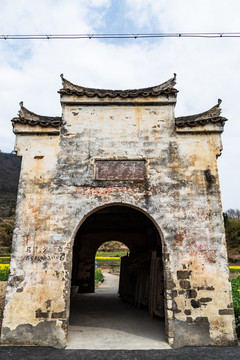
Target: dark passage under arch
{"type": "Point", "coordinates": [141, 273]}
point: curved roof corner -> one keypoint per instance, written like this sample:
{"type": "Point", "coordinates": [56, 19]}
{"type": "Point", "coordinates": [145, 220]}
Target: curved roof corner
{"type": "Point", "coordinates": [26, 116]}
{"type": "Point", "coordinates": [211, 116]}
{"type": "Point", "coordinates": [166, 88]}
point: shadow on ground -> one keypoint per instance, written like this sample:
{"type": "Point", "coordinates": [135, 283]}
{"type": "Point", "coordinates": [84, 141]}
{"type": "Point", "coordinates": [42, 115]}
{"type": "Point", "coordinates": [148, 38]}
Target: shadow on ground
{"type": "Point", "coordinates": [103, 321]}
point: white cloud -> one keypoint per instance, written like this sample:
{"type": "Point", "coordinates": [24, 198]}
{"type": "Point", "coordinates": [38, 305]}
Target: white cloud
{"type": "Point", "coordinates": [206, 68]}
{"type": "Point", "coordinates": [185, 15]}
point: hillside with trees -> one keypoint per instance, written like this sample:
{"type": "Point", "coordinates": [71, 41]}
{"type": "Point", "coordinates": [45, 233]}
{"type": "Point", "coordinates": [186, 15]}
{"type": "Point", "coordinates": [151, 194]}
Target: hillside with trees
{"type": "Point", "coordinates": [9, 172]}
{"type": "Point", "coordinates": [9, 175]}
{"type": "Point", "coordinates": [232, 229]}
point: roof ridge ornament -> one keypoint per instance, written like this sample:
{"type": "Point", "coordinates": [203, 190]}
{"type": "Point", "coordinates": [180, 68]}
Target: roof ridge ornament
{"type": "Point", "coordinates": [25, 113]}
{"type": "Point", "coordinates": [165, 88]}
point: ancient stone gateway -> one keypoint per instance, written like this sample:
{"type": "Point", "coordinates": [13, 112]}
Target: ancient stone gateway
{"type": "Point", "coordinates": [118, 165]}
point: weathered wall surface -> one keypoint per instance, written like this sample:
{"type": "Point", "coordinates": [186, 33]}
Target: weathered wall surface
{"type": "Point", "coordinates": [180, 194]}
{"type": "Point", "coordinates": [204, 310]}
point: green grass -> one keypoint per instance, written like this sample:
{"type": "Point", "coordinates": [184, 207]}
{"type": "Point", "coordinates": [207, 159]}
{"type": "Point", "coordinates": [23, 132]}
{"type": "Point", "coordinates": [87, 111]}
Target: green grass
{"type": "Point", "coordinates": [112, 253]}
{"type": "Point", "coordinates": [4, 261]}
{"type": "Point", "coordinates": [236, 295]}
{"type": "Point", "coordinates": [98, 276]}
{"type": "Point", "coordinates": [107, 259]}
{"type": "Point", "coordinates": [3, 274]}
{"type": "Point", "coordinates": [234, 269]}
{"type": "Point", "coordinates": [236, 301]}
{"type": "Point", "coordinates": [116, 268]}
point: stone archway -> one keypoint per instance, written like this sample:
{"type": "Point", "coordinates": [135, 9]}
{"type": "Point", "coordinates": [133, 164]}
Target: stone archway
{"type": "Point", "coordinates": [119, 146]}
{"type": "Point", "coordinates": [142, 274]}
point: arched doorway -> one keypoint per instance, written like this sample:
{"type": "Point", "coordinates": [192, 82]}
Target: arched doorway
{"type": "Point", "coordinates": [108, 259]}
{"type": "Point", "coordinates": [141, 273]}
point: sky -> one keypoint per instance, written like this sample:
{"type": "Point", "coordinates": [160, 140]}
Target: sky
{"type": "Point", "coordinates": [207, 69]}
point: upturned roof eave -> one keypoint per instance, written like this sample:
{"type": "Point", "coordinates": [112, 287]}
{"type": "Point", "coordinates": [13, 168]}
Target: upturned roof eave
{"type": "Point", "coordinates": [210, 116]}
{"type": "Point", "coordinates": [166, 88]}
{"type": "Point", "coordinates": [26, 116]}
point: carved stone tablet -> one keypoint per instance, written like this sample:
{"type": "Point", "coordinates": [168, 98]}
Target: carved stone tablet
{"type": "Point", "coordinates": [120, 170]}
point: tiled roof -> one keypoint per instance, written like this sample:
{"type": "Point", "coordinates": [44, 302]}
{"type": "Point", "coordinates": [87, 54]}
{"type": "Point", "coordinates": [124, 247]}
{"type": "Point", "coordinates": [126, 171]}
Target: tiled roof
{"type": "Point", "coordinates": [166, 88]}
{"type": "Point", "coordinates": [28, 117]}
{"type": "Point", "coordinates": [207, 117]}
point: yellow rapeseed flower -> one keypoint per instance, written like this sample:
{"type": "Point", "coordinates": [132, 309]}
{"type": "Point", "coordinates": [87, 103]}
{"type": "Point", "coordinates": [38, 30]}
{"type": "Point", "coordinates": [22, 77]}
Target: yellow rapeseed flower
{"type": "Point", "coordinates": [4, 266]}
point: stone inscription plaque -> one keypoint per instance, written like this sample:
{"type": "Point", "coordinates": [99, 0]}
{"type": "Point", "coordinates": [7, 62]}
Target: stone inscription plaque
{"type": "Point", "coordinates": [120, 170]}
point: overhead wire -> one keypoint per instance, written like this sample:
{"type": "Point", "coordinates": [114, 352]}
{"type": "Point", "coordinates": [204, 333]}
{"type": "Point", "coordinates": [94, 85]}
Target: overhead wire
{"type": "Point", "coordinates": [118, 36]}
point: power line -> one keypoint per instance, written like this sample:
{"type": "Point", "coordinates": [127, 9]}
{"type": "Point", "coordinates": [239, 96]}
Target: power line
{"type": "Point", "coordinates": [119, 36]}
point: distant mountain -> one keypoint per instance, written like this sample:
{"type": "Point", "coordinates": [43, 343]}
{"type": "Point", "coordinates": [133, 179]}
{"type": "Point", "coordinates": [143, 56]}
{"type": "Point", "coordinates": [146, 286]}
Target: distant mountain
{"type": "Point", "coordinates": [10, 166]}
{"type": "Point", "coordinates": [9, 175]}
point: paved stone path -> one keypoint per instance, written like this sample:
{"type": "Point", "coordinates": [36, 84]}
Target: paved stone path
{"type": "Point", "coordinates": [103, 321]}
